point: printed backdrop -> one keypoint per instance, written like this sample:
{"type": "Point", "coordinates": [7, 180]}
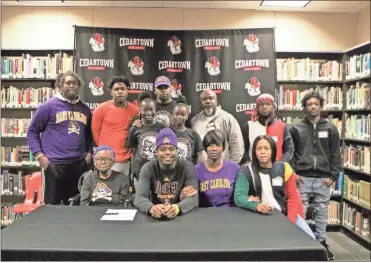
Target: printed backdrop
{"type": "Point", "coordinates": [238, 64]}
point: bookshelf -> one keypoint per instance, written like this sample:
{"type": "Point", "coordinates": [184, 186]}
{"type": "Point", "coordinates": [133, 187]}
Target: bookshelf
{"type": "Point", "coordinates": [346, 75]}
{"type": "Point", "coordinates": [28, 80]}
{"type": "Point", "coordinates": [357, 144]}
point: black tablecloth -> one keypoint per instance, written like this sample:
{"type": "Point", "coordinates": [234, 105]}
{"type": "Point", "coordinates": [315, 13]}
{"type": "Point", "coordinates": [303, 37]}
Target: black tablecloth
{"type": "Point", "coordinates": [77, 233]}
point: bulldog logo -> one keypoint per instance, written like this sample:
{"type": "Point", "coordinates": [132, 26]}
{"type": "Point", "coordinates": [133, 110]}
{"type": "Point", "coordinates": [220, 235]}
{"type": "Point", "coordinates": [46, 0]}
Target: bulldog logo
{"type": "Point", "coordinates": [213, 66]}
{"type": "Point", "coordinates": [253, 87]}
{"type": "Point", "coordinates": [252, 43]}
{"type": "Point", "coordinates": [174, 44]}
{"type": "Point", "coordinates": [176, 89]}
{"type": "Point", "coordinates": [136, 65]}
{"type": "Point", "coordinates": [96, 86]}
{"type": "Point", "coordinates": [97, 42]}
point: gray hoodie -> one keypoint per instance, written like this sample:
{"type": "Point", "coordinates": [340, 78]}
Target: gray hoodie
{"type": "Point", "coordinates": [225, 123]}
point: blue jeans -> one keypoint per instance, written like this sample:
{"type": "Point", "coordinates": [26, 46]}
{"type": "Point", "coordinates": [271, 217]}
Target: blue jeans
{"type": "Point", "coordinates": [321, 193]}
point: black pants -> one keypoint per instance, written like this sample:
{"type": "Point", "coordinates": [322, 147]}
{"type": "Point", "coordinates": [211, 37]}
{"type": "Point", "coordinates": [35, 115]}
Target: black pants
{"type": "Point", "coordinates": [61, 181]}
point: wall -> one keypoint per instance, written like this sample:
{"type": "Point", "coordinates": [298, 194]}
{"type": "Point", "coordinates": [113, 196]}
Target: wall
{"type": "Point", "coordinates": [363, 26]}
{"type": "Point", "coordinates": [52, 28]}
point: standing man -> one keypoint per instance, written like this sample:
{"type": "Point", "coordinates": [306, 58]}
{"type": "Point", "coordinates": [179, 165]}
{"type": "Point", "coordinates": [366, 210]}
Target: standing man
{"type": "Point", "coordinates": [263, 122]}
{"type": "Point", "coordinates": [162, 180]}
{"type": "Point", "coordinates": [212, 117]}
{"type": "Point", "coordinates": [111, 122]}
{"type": "Point", "coordinates": [59, 136]}
{"type": "Point", "coordinates": [316, 161]}
{"type": "Point", "coordinates": [164, 103]}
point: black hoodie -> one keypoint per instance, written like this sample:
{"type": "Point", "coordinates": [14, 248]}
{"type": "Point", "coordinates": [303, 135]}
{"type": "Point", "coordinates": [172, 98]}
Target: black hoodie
{"type": "Point", "coordinates": [317, 149]}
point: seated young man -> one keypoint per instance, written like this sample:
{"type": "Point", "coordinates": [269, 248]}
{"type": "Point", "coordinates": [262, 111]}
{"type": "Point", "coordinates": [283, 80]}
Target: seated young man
{"type": "Point", "coordinates": [161, 181]}
{"type": "Point", "coordinates": [104, 186]}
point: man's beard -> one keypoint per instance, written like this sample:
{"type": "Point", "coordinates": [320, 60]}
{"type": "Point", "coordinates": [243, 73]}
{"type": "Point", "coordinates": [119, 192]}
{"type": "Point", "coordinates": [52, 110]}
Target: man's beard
{"type": "Point", "coordinates": [209, 111]}
{"type": "Point", "coordinates": [164, 98]}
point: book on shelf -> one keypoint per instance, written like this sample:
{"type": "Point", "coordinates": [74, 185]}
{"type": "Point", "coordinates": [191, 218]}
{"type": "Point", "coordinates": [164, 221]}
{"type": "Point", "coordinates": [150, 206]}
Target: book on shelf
{"type": "Point", "coordinates": [333, 217]}
{"type": "Point", "coordinates": [307, 69]}
{"type": "Point", "coordinates": [17, 156]}
{"type": "Point", "coordinates": [290, 99]}
{"type": "Point", "coordinates": [13, 97]}
{"type": "Point", "coordinates": [335, 188]}
{"type": "Point", "coordinates": [7, 215]}
{"type": "Point", "coordinates": [11, 127]}
{"type": "Point", "coordinates": [357, 66]}
{"type": "Point", "coordinates": [336, 121]}
{"type": "Point", "coordinates": [357, 157]}
{"type": "Point", "coordinates": [357, 191]}
{"type": "Point", "coordinates": [356, 220]}
{"type": "Point", "coordinates": [12, 184]}
{"type": "Point", "coordinates": [358, 96]}
{"type": "Point", "coordinates": [28, 66]}
{"type": "Point", "coordinates": [357, 126]}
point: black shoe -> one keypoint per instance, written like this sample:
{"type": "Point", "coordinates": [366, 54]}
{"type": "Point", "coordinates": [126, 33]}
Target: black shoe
{"type": "Point", "coordinates": [330, 256]}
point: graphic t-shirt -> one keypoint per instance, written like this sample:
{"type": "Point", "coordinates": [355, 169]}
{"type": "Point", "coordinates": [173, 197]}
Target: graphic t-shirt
{"type": "Point", "coordinates": [164, 112]}
{"type": "Point", "coordinates": [103, 192]}
{"type": "Point", "coordinates": [189, 144]}
{"type": "Point", "coordinates": [143, 139]}
{"type": "Point", "coordinates": [216, 188]}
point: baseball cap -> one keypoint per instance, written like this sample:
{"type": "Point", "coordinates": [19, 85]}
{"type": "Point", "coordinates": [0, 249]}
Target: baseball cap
{"type": "Point", "coordinates": [162, 81]}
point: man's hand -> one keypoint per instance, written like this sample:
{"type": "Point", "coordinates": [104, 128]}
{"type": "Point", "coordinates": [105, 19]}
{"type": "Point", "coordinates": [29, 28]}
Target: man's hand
{"type": "Point", "coordinates": [43, 161]}
{"type": "Point", "coordinates": [137, 123]}
{"type": "Point", "coordinates": [187, 192]}
{"type": "Point", "coordinates": [328, 182]}
{"type": "Point", "coordinates": [170, 211]}
{"type": "Point", "coordinates": [157, 211]}
{"type": "Point", "coordinates": [264, 208]}
{"type": "Point", "coordinates": [299, 179]}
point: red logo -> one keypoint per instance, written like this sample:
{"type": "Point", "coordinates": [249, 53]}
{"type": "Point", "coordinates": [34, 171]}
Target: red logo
{"type": "Point", "coordinates": [96, 86]}
{"type": "Point", "coordinates": [97, 42]}
{"type": "Point", "coordinates": [213, 66]}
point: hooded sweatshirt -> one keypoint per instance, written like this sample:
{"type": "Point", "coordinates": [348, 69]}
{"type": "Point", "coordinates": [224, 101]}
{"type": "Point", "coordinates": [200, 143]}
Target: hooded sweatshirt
{"type": "Point", "coordinates": [61, 130]}
{"type": "Point", "coordinates": [225, 123]}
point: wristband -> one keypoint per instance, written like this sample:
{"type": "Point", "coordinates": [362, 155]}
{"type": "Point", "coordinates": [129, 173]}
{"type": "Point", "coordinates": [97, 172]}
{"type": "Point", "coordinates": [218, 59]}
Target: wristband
{"type": "Point", "coordinates": [38, 157]}
{"type": "Point", "coordinates": [176, 208]}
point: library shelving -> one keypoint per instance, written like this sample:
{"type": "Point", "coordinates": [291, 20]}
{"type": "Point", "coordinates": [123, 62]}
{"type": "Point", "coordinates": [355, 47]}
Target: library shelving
{"type": "Point", "coordinates": [343, 78]}
{"type": "Point", "coordinates": [28, 80]}
{"type": "Point", "coordinates": [357, 145]}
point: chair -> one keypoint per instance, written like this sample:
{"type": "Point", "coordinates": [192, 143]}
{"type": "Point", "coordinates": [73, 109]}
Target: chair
{"type": "Point", "coordinates": [34, 195]}
{"type": "Point", "coordinates": [75, 200]}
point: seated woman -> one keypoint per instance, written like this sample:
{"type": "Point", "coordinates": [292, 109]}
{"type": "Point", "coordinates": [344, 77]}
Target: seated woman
{"type": "Point", "coordinates": [216, 177]}
{"type": "Point", "coordinates": [103, 186]}
{"type": "Point", "coordinates": [267, 184]}
{"type": "Point", "coordinates": [189, 141]}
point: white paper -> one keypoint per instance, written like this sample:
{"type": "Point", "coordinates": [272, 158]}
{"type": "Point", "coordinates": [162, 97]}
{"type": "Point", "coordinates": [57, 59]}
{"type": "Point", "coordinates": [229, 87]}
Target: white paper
{"type": "Point", "coordinates": [119, 215]}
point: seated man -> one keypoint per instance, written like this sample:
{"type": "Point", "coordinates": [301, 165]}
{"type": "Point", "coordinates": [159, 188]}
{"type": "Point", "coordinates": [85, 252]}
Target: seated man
{"type": "Point", "coordinates": [104, 186]}
{"type": "Point", "coordinates": [161, 181]}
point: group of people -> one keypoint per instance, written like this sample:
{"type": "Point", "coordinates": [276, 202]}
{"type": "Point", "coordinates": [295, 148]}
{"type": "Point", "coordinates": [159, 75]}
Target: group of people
{"type": "Point", "coordinates": [153, 157]}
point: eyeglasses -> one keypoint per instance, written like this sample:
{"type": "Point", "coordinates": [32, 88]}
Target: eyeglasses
{"type": "Point", "coordinates": [103, 159]}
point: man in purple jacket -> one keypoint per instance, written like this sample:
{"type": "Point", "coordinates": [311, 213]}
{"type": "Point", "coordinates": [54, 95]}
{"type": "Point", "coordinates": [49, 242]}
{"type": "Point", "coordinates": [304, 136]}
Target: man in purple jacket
{"type": "Point", "coordinates": [60, 137]}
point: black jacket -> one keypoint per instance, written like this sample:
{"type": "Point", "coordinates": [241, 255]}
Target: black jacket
{"type": "Point", "coordinates": [317, 149]}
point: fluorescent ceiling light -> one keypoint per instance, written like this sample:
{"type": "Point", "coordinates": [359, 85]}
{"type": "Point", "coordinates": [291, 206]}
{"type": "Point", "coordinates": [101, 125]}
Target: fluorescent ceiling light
{"type": "Point", "coordinates": [40, 1]}
{"type": "Point", "coordinates": [292, 3]}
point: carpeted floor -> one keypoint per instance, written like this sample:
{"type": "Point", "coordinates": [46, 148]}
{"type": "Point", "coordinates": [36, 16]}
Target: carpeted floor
{"type": "Point", "coordinates": [345, 249]}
